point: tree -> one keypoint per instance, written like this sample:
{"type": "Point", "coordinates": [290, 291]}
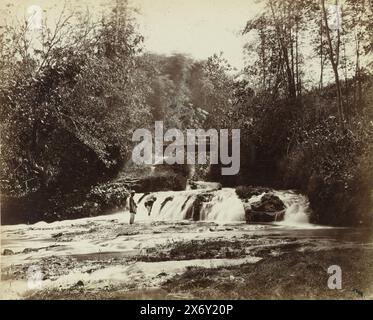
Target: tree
{"type": "Point", "coordinates": [278, 52]}
{"type": "Point", "coordinates": [358, 20]}
{"type": "Point", "coordinates": [334, 57]}
{"type": "Point", "coordinates": [219, 87]}
{"type": "Point", "coordinates": [70, 105]}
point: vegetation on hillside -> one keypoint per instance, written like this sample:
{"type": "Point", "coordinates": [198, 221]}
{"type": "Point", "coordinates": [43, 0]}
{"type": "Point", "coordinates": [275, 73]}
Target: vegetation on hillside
{"type": "Point", "coordinates": [73, 93]}
{"type": "Point", "coordinates": [315, 136]}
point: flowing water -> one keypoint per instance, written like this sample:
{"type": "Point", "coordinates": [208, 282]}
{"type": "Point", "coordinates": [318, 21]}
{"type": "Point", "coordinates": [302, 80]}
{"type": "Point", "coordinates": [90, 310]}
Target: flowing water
{"type": "Point", "coordinates": [106, 252]}
{"type": "Point", "coordinates": [221, 206]}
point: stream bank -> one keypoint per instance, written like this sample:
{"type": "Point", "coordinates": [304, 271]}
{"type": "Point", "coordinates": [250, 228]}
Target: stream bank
{"type": "Point", "coordinates": [104, 257]}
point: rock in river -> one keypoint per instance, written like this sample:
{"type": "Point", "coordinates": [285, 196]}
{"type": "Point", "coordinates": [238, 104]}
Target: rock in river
{"type": "Point", "coordinates": [269, 208]}
{"type": "Point", "coordinates": [7, 252]}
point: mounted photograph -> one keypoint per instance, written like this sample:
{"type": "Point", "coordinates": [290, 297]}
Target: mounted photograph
{"type": "Point", "coordinates": [186, 150]}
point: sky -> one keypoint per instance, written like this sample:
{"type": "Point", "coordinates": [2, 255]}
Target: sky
{"type": "Point", "coordinates": [199, 28]}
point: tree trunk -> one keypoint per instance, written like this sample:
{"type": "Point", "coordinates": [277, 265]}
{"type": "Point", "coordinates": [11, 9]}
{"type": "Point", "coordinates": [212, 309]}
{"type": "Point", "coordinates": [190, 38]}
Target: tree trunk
{"type": "Point", "coordinates": [285, 53]}
{"type": "Point", "coordinates": [321, 57]}
{"type": "Point", "coordinates": [358, 77]}
{"type": "Point", "coordinates": [263, 58]}
{"type": "Point", "coordinates": [347, 108]}
{"type": "Point", "coordinates": [299, 85]}
{"type": "Point", "coordinates": [334, 63]}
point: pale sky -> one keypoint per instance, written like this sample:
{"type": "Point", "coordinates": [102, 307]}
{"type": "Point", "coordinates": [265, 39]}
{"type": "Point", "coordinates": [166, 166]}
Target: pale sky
{"type": "Point", "coordinates": [199, 28]}
{"type": "Point", "coordinates": [196, 27]}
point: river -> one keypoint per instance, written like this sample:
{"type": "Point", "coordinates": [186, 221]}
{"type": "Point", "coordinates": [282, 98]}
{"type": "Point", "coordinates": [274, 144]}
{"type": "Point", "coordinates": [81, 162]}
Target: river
{"type": "Point", "coordinates": [106, 257]}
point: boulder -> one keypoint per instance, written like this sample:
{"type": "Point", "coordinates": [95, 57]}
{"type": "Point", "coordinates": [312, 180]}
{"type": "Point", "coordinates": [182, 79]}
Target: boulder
{"type": "Point", "coordinates": [256, 216]}
{"type": "Point", "coordinates": [268, 203]}
{"type": "Point", "coordinates": [57, 235]}
{"type": "Point", "coordinates": [7, 252]}
{"type": "Point", "coordinates": [268, 209]}
{"type": "Point", "coordinates": [80, 283]}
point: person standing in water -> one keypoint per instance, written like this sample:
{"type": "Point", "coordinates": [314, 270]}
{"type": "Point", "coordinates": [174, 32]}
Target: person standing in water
{"type": "Point", "coordinates": [133, 207]}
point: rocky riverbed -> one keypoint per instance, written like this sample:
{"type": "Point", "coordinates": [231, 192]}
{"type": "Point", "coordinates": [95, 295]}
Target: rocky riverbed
{"type": "Point", "coordinates": [104, 257]}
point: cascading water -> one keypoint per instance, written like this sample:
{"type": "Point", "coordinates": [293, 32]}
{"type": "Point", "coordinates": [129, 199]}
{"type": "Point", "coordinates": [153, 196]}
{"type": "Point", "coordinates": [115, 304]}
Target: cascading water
{"type": "Point", "coordinates": [169, 205]}
{"type": "Point", "coordinates": [297, 208]}
{"type": "Point", "coordinates": [213, 205]}
{"type": "Point", "coordinates": [222, 205]}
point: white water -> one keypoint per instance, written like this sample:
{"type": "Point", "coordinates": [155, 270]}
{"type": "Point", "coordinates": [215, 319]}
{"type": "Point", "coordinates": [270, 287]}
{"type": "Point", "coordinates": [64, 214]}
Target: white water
{"type": "Point", "coordinates": [297, 208]}
{"type": "Point", "coordinates": [102, 237]}
{"type": "Point", "coordinates": [224, 206]}
{"type": "Point", "coordinates": [172, 205]}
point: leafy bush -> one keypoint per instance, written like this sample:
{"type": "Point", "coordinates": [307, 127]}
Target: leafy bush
{"type": "Point", "coordinates": [69, 108]}
{"type": "Point", "coordinates": [334, 170]}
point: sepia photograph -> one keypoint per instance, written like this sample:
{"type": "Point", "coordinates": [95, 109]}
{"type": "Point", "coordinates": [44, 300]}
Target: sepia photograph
{"type": "Point", "coordinates": [190, 150]}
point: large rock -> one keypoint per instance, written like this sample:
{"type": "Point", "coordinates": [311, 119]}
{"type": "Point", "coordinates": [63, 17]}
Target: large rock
{"type": "Point", "coordinates": [268, 203]}
{"type": "Point", "coordinates": [268, 209]}
{"type": "Point", "coordinates": [8, 252]}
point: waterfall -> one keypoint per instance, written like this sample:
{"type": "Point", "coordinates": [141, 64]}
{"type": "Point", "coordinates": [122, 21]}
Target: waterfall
{"type": "Point", "coordinates": [224, 206]}
{"type": "Point", "coordinates": [297, 208]}
{"type": "Point", "coordinates": [220, 205]}
{"type": "Point", "coordinates": [213, 205]}
{"type": "Point", "coordinates": [169, 205]}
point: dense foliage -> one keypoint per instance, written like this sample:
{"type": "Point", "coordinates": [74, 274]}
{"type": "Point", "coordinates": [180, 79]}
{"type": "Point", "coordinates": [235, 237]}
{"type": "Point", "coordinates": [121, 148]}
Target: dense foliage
{"type": "Point", "coordinates": [315, 137]}
{"type": "Point", "coordinates": [66, 116]}
{"type": "Point", "coordinates": [72, 94]}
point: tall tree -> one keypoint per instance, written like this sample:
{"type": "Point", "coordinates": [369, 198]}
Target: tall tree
{"type": "Point", "coordinates": [334, 57]}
